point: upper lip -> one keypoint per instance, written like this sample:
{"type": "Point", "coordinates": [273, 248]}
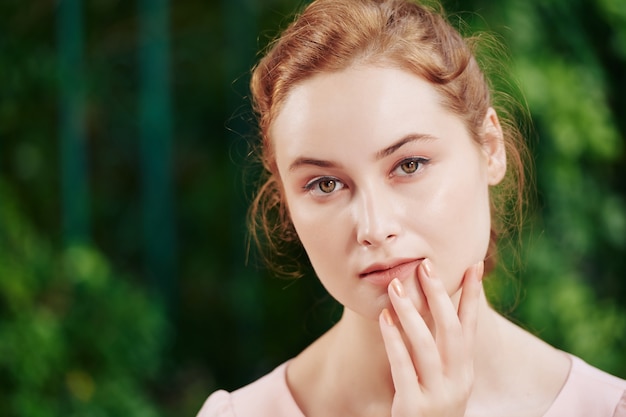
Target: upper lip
{"type": "Point", "coordinates": [384, 266]}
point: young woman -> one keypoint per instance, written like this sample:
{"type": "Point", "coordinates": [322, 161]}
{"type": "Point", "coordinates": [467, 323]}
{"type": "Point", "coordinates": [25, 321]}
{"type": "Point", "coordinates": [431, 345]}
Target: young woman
{"type": "Point", "coordinates": [382, 148]}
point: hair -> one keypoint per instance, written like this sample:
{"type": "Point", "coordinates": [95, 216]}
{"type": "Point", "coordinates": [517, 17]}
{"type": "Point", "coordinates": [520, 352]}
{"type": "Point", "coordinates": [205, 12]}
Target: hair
{"type": "Point", "coordinates": [332, 35]}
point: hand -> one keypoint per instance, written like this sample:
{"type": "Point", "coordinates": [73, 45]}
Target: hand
{"type": "Point", "coordinates": [432, 372]}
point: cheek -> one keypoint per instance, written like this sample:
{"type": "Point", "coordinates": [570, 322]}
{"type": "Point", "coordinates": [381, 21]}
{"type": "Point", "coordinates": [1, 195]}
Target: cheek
{"type": "Point", "coordinates": [457, 225]}
{"type": "Point", "coordinates": [324, 240]}
{"type": "Point", "coordinates": [316, 228]}
{"type": "Point", "coordinates": [469, 218]}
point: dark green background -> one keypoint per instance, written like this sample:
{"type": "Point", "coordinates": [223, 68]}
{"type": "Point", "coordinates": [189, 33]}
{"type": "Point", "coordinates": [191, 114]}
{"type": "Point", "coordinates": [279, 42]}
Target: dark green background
{"type": "Point", "coordinates": [124, 288]}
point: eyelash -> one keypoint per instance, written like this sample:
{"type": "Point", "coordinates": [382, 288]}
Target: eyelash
{"type": "Point", "coordinates": [419, 161]}
{"type": "Point", "coordinates": [313, 185]}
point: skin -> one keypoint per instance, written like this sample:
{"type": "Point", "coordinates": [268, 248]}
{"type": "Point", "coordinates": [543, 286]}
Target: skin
{"type": "Point", "coordinates": [389, 195]}
{"type": "Point", "coordinates": [378, 214]}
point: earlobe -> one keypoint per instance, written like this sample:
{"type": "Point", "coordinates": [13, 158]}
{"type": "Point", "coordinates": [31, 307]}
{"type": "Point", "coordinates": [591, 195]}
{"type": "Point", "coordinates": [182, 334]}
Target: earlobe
{"type": "Point", "coordinates": [494, 147]}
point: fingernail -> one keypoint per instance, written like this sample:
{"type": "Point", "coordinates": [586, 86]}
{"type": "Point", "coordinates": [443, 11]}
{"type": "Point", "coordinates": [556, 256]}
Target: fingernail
{"type": "Point", "coordinates": [397, 287]}
{"type": "Point", "coordinates": [427, 268]}
{"type": "Point", "coordinates": [387, 317]}
{"type": "Point", "coordinates": [480, 270]}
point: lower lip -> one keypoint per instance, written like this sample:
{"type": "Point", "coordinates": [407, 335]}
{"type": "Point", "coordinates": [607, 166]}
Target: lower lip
{"type": "Point", "coordinates": [402, 272]}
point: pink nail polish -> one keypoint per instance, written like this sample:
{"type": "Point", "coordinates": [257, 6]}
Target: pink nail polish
{"type": "Point", "coordinates": [397, 287]}
{"type": "Point", "coordinates": [387, 317]}
{"type": "Point", "coordinates": [480, 270]}
{"type": "Point", "coordinates": [427, 268]}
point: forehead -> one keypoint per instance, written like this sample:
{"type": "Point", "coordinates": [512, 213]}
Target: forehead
{"type": "Point", "coordinates": [362, 83]}
{"type": "Point", "coordinates": [356, 104]}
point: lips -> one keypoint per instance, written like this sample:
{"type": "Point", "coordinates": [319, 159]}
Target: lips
{"type": "Point", "coordinates": [384, 273]}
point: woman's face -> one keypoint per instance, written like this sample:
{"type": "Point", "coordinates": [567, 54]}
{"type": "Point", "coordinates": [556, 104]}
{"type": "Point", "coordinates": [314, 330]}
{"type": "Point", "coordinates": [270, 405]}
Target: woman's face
{"type": "Point", "coordinates": [378, 176]}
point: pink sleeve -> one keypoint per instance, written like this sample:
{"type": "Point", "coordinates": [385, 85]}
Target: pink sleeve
{"type": "Point", "coordinates": [620, 410]}
{"type": "Point", "coordinates": [268, 396]}
{"type": "Point", "coordinates": [217, 405]}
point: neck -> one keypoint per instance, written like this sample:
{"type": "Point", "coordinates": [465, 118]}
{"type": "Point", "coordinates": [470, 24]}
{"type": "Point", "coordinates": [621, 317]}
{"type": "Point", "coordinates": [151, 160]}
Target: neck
{"type": "Point", "coordinates": [513, 370]}
{"type": "Point", "coordinates": [358, 348]}
{"type": "Point", "coordinates": [352, 354]}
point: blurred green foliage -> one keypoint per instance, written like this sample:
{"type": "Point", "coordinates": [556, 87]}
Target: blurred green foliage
{"type": "Point", "coordinates": [76, 338]}
{"type": "Point", "coordinates": [79, 338]}
{"type": "Point", "coordinates": [568, 58]}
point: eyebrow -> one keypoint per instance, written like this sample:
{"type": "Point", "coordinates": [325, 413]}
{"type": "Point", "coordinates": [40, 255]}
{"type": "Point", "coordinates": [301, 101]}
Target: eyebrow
{"type": "Point", "coordinates": [311, 161]}
{"type": "Point", "coordinates": [412, 137]}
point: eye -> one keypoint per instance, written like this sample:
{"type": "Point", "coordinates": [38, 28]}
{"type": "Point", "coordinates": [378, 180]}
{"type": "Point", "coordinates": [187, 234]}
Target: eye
{"type": "Point", "coordinates": [323, 186]}
{"type": "Point", "coordinates": [409, 166]}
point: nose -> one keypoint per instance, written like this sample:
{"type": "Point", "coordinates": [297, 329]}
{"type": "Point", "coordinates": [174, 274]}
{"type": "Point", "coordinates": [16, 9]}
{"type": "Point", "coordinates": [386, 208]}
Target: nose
{"type": "Point", "coordinates": [376, 220]}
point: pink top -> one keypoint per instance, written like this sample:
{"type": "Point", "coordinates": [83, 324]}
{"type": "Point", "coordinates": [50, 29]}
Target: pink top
{"type": "Point", "coordinates": [587, 392]}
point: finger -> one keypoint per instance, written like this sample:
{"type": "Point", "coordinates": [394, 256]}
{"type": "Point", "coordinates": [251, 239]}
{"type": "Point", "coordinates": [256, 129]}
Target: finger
{"type": "Point", "coordinates": [447, 327]}
{"type": "Point", "coordinates": [403, 373]}
{"type": "Point", "coordinates": [468, 305]}
{"type": "Point", "coordinates": [422, 347]}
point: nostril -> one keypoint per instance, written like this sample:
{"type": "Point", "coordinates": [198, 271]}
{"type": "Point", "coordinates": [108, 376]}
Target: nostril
{"type": "Point", "coordinates": [371, 242]}
{"type": "Point", "coordinates": [376, 222]}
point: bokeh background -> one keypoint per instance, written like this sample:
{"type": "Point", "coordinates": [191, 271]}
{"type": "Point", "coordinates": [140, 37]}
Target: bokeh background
{"type": "Point", "coordinates": [125, 284]}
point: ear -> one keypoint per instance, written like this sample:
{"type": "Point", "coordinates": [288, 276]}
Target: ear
{"type": "Point", "coordinates": [494, 148]}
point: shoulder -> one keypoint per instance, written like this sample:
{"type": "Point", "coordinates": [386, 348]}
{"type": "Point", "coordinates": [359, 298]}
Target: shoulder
{"type": "Point", "coordinates": [217, 405]}
{"type": "Point", "coordinates": [590, 391]}
{"type": "Point", "coordinates": [268, 396]}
